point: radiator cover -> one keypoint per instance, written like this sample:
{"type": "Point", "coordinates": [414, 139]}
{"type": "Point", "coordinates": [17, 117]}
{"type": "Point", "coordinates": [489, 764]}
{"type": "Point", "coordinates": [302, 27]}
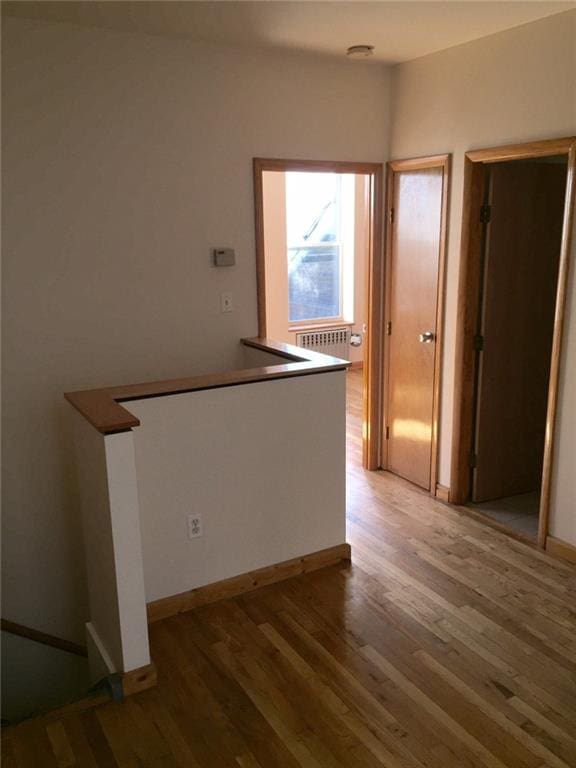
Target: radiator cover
{"type": "Point", "coordinates": [329, 341]}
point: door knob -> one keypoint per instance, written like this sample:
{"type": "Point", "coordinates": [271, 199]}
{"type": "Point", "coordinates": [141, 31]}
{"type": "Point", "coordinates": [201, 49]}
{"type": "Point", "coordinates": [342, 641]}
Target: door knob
{"type": "Point", "coordinates": [427, 337]}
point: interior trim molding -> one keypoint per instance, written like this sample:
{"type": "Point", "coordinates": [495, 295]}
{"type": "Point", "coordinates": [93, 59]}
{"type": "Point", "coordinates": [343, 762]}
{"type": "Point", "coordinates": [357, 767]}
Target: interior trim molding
{"type": "Point", "coordinates": [42, 637]}
{"type": "Point", "coordinates": [560, 549]}
{"type": "Point", "coordinates": [246, 582]}
{"type": "Point", "coordinates": [442, 492]}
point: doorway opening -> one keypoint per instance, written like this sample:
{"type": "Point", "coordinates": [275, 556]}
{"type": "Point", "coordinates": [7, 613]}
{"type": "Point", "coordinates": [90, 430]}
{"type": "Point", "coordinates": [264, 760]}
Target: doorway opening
{"type": "Point", "coordinates": [514, 267]}
{"type": "Point", "coordinates": [318, 244]}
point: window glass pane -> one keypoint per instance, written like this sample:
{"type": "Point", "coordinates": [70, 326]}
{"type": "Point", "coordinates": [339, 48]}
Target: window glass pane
{"type": "Point", "coordinates": [313, 282]}
{"type": "Point", "coordinates": [312, 202]}
{"type": "Point", "coordinates": [313, 234]}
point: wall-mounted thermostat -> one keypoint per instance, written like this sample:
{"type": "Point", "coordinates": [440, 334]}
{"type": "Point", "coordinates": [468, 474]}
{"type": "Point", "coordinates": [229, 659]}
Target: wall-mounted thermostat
{"type": "Point", "coordinates": [223, 257]}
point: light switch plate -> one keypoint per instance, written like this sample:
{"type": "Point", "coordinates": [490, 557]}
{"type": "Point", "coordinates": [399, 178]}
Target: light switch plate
{"type": "Point", "coordinates": [226, 302]}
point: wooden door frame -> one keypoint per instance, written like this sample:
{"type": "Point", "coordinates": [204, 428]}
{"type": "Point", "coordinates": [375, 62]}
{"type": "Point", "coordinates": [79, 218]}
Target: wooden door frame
{"type": "Point", "coordinates": [468, 311]}
{"type": "Point", "coordinates": [372, 369]}
{"type": "Point", "coordinates": [392, 167]}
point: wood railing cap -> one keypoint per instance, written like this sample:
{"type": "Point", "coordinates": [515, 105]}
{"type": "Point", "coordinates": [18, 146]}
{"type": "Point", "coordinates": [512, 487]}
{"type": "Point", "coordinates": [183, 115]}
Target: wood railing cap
{"type": "Point", "coordinates": [103, 410]}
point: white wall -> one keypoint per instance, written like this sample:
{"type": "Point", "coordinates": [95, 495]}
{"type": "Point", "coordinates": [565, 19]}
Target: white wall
{"type": "Point", "coordinates": [515, 86]}
{"type": "Point", "coordinates": [263, 463]}
{"type": "Point", "coordinates": [126, 158]}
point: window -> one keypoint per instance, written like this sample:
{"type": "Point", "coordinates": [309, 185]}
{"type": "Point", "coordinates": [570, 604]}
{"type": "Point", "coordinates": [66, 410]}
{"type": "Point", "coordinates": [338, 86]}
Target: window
{"type": "Point", "coordinates": [314, 246]}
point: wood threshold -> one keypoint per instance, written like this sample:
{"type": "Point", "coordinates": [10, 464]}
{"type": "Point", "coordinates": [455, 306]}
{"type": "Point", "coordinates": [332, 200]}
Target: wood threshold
{"type": "Point", "coordinates": [103, 410]}
{"type": "Point", "coordinates": [561, 549]}
{"type": "Point", "coordinates": [246, 582]}
{"type": "Point", "coordinates": [42, 637]}
{"type": "Point", "coordinates": [556, 548]}
{"type": "Point", "coordinates": [465, 511]}
{"type": "Point", "coordinates": [489, 521]}
{"type": "Point", "coordinates": [468, 308]}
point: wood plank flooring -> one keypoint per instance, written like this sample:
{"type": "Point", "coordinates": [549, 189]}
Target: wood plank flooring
{"type": "Point", "coordinates": [445, 645]}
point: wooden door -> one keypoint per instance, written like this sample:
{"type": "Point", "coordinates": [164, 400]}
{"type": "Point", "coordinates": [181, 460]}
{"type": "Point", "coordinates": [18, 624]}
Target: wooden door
{"type": "Point", "coordinates": [413, 293]}
{"type": "Point", "coordinates": [522, 254]}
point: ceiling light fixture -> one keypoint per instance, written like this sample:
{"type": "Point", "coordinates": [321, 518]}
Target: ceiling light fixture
{"type": "Point", "coordinates": [360, 51]}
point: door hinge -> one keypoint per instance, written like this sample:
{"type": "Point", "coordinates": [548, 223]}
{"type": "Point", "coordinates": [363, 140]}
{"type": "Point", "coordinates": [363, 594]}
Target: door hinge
{"type": "Point", "coordinates": [391, 215]}
{"type": "Point", "coordinates": [387, 433]}
{"type": "Point", "coordinates": [473, 460]}
{"type": "Point", "coordinates": [478, 342]}
{"type": "Point", "coordinates": [389, 328]}
{"type": "Point", "coordinates": [485, 214]}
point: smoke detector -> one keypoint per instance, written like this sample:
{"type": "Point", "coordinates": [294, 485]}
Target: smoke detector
{"type": "Point", "coordinates": [360, 51]}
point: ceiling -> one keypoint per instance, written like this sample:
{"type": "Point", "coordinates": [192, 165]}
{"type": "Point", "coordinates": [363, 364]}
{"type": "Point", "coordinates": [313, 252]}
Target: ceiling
{"type": "Point", "coordinates": [400, 31]}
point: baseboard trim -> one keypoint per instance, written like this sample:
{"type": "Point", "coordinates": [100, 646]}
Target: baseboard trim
{"type": "Point", "coordinates": [442, 492]}
{"type": "Point", "coordinates": [358, 365]}
{"type": "Point", "coordinates": [42, 637]}
{"type": "Point", "coordinates": [560, 549]}
{"type": "Point", "coordinates": [246, 582]}
{"type": "Point", "coordinates": [138, 680]}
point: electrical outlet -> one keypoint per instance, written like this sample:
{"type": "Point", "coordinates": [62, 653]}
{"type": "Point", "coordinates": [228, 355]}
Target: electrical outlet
{"type": "Point", "coordinates": [226, 302]}
{"type": "Point", "coordinates": [194, 526]}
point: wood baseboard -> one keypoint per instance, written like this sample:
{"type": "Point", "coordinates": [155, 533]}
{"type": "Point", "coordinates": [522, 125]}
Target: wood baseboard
{"type": "Point", "coordinates": [42, 637]}
{"type": "Point", "coordinates": [246, 582]}
{"type": "Point", "coordinates": [139, 680]}
{"type": "Point", "coordinates": [358, 365]}
{"type": "Point", "coordinates": [560, 549]}
{"type": "Point", "coordinates": [442, 493]}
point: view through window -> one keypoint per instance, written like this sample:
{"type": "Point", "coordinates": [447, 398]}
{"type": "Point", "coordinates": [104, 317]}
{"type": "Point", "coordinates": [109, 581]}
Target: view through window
{"type": "Point", "coordinates": [314, 234]}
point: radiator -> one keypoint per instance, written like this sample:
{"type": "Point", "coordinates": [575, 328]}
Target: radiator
{"type": "Point", "coordinates": [334, 341]}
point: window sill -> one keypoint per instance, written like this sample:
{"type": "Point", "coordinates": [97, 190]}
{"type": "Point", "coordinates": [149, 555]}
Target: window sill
{"type": "Point", "coordinates": [320, 326]}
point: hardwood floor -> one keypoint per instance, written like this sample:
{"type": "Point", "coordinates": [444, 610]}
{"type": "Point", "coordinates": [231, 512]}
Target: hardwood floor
{"type": "Point", "coordinates": [445, 644]}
